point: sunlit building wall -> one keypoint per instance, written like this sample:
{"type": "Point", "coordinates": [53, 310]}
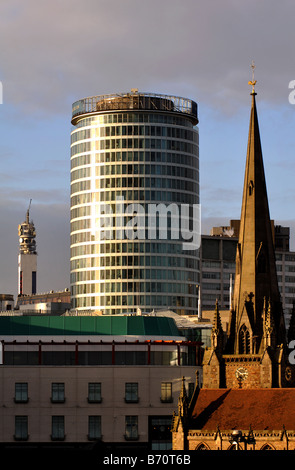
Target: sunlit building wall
{"type": "Point", "coordinates": [142, 149]}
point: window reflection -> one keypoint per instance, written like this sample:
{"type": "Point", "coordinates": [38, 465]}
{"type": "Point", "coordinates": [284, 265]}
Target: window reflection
{"type": "Point", "coordinates": [143, 157]}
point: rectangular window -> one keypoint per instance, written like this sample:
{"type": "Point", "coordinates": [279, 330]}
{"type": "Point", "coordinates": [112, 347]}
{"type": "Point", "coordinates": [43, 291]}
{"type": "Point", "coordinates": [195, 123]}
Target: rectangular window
{"type": "Point", "coordinates": [58, 428]}
{"type": "Point", "coordinates": [21, 392]}
{"type": "Point", "coordinates": [57, 392]}
{"type": "Point", "coordinates": [160, 432]}
{"type": "Point", "coordinates": [94, 392]}
{"type": "Point", "coordinates": [21, 283]}
{"type": "Point", "coordinates": [166, 392]}
{"type": "Point", "coordinates": [21, 428]}
{"type": "Point", "coordinates": [131, 428]}
{"type": "Point", "coordinates": [131, 392]}
{"type": "Point", "coordinates": [34, 282]}
{"type": "Point", "coordinates": [94, 427]}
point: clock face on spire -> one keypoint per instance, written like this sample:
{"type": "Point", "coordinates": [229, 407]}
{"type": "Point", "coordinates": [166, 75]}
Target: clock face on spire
{"type": "Point", "coordinates": [288, 373]}
{"type": "Point", "coordinates": [241, 373]}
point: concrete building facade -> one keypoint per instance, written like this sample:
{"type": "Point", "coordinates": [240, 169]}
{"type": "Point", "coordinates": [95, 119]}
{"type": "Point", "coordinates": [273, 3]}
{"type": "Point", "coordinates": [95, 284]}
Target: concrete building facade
{"type": "Point", "coordinates": [110, 379]}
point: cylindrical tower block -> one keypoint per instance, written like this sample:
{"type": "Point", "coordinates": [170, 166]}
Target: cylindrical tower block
{"type": "Point", "coordinates": [134, 191]}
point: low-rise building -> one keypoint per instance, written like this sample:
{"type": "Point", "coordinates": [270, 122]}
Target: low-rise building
{"type": "Point", "coordinates": [6, 302]}
{"type": "Point", "coordinates": [50, 303]}
{"type": "Point", "coordinates": [81, 379]}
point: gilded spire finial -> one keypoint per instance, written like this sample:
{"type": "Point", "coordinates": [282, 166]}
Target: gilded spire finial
{"type": "Point", "coordinates": [253, 81]}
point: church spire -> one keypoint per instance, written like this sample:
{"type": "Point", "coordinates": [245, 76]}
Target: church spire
{"type": "Point", "coordinates": [255, 354]}
{"type": "Point", "coordinates": [255, 259]}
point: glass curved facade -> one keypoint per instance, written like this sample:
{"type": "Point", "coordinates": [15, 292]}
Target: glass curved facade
{"type": "Point", "coordinates": [131, 153]}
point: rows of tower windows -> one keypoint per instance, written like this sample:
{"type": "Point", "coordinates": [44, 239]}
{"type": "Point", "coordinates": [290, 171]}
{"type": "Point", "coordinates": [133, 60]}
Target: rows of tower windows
{"type": "Point", "coordinates": [134, 195]}
{"type": "Point", "coordinates": [87, 197]}
{"type": "Point", "coordinates": [158, 147]}
{"type": "Point", "coordinates": [137, 169]}
{"type": "Point", "coordinates": [110, 194]}
{"type": "Point", "coordinates": [84, 224]}
{"type": "Point", "coordinates": [141, 274]}
{"type": "Point", "coordinates": [121, 261]}
{"type": "Point", "coordinates": [138, 247]}
{"type": "Point", "coordinates": [120, 284]}
{"type": "Point", "coordinates": [135, 283]}
{"type": "Point", "coordinates": [115, 185]}
{"type": "Point", "coordinates": [113, 118]}
{"type": "Point", "coordinates": [112, 227]}
{"type": "Point", "coordinates": [134, 156]}
{"type": "Point", "coordinates": [134, 143]}
{"type": "Point", "coordinates": [87, 262]}
{"type": "Point", "coordinates": [119, 304]}
{"type": "Point", "coordinates": [96, 249]}
{"type": "Point", "coordinates": [134, 130]}
{"type": "Point", "coordinates": [135, 274]}
{"type": "Point", "coordinates": [133, 286]}
{"type": "Point", "coordinates": [130, 286]}
{"type": "Point", "coordinates": [119, 222]}
{"type": "Point", "coordinates": [133, 260]}
{"type": "Point", "coordinates": [125, 287]}
{"type": "Point", "coordinates": [87, 236]}
{"type": "Point", "coordinates": [92, 262]}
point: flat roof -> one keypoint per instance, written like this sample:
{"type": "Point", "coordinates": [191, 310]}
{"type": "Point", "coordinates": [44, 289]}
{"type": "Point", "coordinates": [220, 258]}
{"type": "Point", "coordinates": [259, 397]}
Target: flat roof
{"type": "Point", "coordinates": [32, 325]}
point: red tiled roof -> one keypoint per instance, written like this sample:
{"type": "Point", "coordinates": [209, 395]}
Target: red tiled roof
{"type": "Point", "coordinates": [269, 408]}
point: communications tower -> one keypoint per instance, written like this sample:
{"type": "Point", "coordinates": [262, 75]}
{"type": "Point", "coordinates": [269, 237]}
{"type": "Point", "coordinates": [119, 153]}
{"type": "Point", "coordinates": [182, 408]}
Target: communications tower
{"type": "Point", "coordinates": [27, 258]}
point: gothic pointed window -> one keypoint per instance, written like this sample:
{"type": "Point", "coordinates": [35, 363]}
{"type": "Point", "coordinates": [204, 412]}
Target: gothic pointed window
{"type": "Point", "coordinates": [244, 340]}
{"type": "Point", "coordinates": [267, 447]}
{"type": "Point", "coordinates": [201, 447]}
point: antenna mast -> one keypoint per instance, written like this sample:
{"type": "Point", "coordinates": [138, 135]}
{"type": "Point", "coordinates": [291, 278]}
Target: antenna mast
{"type": "Point", "coordinates": [28, 211]}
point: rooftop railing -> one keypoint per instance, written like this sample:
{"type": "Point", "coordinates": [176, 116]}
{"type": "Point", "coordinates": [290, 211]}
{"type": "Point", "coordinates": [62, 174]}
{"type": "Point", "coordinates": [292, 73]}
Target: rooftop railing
{"type": "Point", "coordinates": [135, 101]}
